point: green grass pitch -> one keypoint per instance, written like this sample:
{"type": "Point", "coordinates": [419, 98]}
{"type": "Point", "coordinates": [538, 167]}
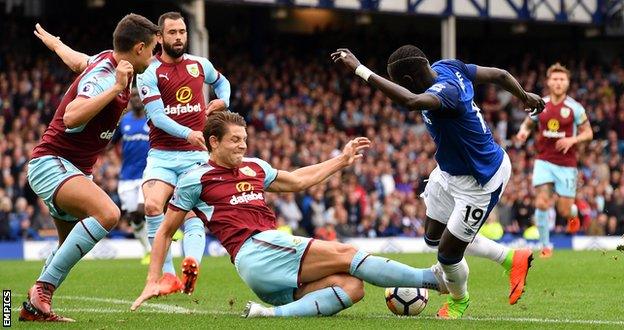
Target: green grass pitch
{"type": "Point", "coordinates": [577, 290]}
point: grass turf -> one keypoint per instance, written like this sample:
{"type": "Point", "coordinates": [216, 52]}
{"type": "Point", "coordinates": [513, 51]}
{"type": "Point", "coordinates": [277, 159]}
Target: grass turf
{"type": "Point", "coordinates": [570, 290]}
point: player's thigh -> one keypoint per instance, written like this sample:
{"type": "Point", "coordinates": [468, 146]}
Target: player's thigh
{"type": "Point", "coordinates": [353, 286]}
{"type": "Point", "coordinates": [473, 204]}
{"type": "Point", "coordinates": [566, 181]}
{"type": "Point", "coordinates": [156, 193]}
{"type": "Point", "coordinates": [81, 198]}
{"type": "Point", "coordinates": [433, 230]}
{"type": "Point", "coordinates": [161, 166]}
{"type": "Point", "coordinates": [543, 173]}
{"type": "Point", "coordinates": [270, 264]}
{"type": "Point", "coordinates": [326, 258]}
{"type": "Point", "coordinates": [438, 200]}
{"type": "Point", "coordinates": [46, 175]}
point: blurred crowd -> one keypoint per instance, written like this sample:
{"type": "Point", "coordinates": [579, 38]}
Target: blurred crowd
{"type": "Point", "coordinates": [302, 110]}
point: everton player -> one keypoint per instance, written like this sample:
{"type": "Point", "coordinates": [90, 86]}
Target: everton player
{"type": "Point", "coordinates": [472, 169]}
{"type": "Point", "coordinates": [60, 168]}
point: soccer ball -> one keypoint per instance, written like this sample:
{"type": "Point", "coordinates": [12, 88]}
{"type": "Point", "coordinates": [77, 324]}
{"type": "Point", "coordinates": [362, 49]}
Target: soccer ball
{"type": "Point", "coordinates": [406, 301]}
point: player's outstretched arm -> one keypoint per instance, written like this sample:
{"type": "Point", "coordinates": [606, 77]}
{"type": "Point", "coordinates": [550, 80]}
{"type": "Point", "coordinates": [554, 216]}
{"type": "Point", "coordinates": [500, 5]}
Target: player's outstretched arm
{"type": "Point", "coordinates": [396, 92]}
{"type": "Point", "coordinates": [308, 176]}
{"type": "Point", "coordinates": [75, 60]}
{"type": "Point", "coordinates": [525, 129]}
{"type": "Point", "coordinates": [81, 110]}
{"type": "Point", "coordinates": [534, 102]}
{"type": "Point", "coordinates": [162, 241]}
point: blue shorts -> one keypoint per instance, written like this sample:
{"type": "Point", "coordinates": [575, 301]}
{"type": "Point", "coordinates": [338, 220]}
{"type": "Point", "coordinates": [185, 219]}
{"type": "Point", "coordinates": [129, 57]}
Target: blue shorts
{"type": "Point", "coordinates": [46, 175]}
{"type": "Point", "coordinates": [270, 264]}
{"type": "Point", "coordinates": [564, 178]}
{"type": "Point", "coordinates": [167, 166]}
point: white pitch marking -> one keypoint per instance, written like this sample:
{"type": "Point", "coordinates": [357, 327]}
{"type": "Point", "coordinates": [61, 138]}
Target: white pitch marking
{"type": "Point", "coordinates": [167, 309]}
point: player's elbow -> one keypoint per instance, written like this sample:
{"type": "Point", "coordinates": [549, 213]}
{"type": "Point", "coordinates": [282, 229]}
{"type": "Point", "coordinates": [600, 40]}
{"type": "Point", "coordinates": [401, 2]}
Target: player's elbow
{"type": "Point", "coordinates": [501, 75]}
{"type": "Point", "coordinates": [414, 103]}
{"type": "Point", "coordinates": [70, 120]}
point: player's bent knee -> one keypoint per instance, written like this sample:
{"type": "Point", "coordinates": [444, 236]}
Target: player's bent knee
{"type": "Point", "coordinates": [153, 207]}
{"type": "Point", "coordinates": [354, 287]}
{"type": "Point", "coordinates": [108, 216]}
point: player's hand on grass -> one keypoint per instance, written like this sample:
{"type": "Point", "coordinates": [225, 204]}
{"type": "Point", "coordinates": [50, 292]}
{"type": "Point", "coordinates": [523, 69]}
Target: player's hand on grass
{"type": "Point", "coordinates": [150, 291]}
{"type": "Point", "coordinates": [352, 150]}
{"type": "Point", "coordinates": [123, 74]}
{"type": "Point", "coordinates": [196, 138]}
{"type": "Point", "coordinates": [564, 144]}
{"type": "Point", "coordinates": [534, 103]}
{"type": "Point", "coordinates": [344, 56]}
{"type": "Point", "coordinates": [215, 105]}
{"type": "Point", "coordinates": [49, 40]}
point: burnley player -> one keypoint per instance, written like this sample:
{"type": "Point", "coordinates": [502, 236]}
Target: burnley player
{"type": "Point", "coordinates": [172, 91]}
{"type": "Point", "coordinates": [134, 135]}
{"type": "Point", "coordinates": [472, 169]}
{"type": "Point", "coordinates": [61, 165]}
{"type": "Point", "coordinates": [299, 275]}
{"type": "Point", "coordinates": [561, 126]}
{"type": "Point", "coordinates": [176, 79]}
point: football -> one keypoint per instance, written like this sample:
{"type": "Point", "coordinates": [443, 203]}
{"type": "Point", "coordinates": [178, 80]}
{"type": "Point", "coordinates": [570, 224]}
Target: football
{"type": "Point", "coordinates": [406, 301]}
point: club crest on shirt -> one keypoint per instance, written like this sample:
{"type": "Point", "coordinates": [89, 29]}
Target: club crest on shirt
{"type": "Point", "coordinates": [248, 171]}
{"type": "Point", "coordinates": [193, 70]}
{"type": "Point", "coordinates": [565, 112]}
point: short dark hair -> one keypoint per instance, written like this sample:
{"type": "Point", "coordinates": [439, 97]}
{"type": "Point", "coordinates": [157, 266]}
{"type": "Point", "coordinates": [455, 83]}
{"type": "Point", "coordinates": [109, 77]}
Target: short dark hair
{"type": "Point", "coordinates": [168, 15]}
{"type": "Point", "coordinates": [217, 124]}
{"type": "Point", "coordinates": [131, 30]}
{"type": "Point", "coordinates": [406, 59]}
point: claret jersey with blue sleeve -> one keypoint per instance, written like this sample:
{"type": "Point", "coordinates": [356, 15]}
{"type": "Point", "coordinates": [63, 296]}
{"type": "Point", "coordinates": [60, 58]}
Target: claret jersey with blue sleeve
{"type": "Point", "coordinates": [465, 145]}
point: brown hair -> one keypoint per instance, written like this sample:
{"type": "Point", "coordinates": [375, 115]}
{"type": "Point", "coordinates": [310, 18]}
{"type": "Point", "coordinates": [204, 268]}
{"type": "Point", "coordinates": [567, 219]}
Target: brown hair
{"type": "Point", "coordinates": [168, 15]}
{"type": "Point", "coordinates": [217, 125]}
{"type": "Point", "coordinates": [557, 67]}
{"type": "Point", "coordinates": [131, 30]}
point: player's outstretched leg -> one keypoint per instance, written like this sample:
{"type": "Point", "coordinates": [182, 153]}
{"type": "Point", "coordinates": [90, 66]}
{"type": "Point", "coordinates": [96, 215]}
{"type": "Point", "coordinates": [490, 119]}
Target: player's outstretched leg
{"type": "Point", "coordinates": [515, 261]}
{"type": "Point", "coordinates": [328, 258]}
{"type": "Point", "coordinates": [324, 297]}
{"type": "Point", "coordinates": [193, 244]}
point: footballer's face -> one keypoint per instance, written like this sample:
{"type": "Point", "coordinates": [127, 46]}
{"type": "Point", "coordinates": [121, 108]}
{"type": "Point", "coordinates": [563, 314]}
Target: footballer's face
{"type": "Point", "coordinates": [558, 83]}
{"type": "Point", "coordinates": [174, 37]}
{"type": "Point", "coordinates": [232, 147]}
{"type": "Point", "coordinates": [143, 55]}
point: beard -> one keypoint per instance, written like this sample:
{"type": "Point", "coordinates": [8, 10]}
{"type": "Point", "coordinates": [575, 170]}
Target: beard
{"type": "Point", "coordinates": [168, 48]}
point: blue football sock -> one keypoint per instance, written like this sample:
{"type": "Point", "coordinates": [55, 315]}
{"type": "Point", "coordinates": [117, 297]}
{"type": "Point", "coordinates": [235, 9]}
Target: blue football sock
{"type": "Point", "coordinates": [194, 240]}
{"type": "Point", "coordinates": [153, 222]}
{"type": "Point", "coordinates": [541, 220]}
{"type": "Point", "coordinates": [384, 272]}
{"type": "Point", "coordinates": [325, 302]}
{"type": "Point", "coordinates": [78, 243]}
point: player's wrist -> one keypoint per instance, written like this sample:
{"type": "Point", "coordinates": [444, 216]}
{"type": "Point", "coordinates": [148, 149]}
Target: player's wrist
{"type": "Point", "coordinates": [363, 72]}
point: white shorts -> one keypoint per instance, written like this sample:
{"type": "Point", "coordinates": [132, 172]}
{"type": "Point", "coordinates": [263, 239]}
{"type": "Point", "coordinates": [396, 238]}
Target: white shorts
{"type": "Point", "coordinates": [461, 202]}
{"type": "Point", "coordinates": [130, 194]}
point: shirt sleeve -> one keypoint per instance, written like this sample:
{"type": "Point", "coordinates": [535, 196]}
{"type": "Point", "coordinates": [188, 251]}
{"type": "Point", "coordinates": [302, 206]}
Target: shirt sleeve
{"type": "Point", "coordinates": [213, 77]}
{"type": "Point", "coordinates": [580, 116]}
{"type": "Point", "coordinates": [471, 71]}
{"type": "Point", "coordinates": [446, 93]}
{"type": "Point", "coordinates": [96, 81]}
{"type": "Point", "coordinates": [269, 172]}
{"type": "Point", "coordinates": [186, 193]}
{"type": "Point", "coordinates": [147, 84]}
